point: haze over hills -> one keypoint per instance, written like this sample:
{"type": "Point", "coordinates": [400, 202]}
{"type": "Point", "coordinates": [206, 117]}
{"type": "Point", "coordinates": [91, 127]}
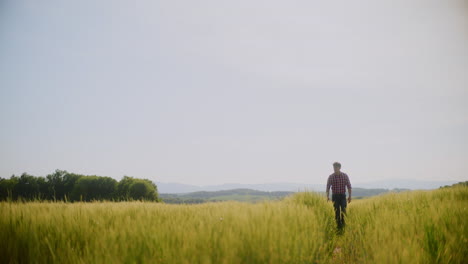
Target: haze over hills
{"type": "Point", "coordinates": [249, 195]}
{"type": "Point", "coordinates": [164, 187]}
{"type": "Point", "coordinates": [404, 184]}
{"type": "Point", "coordinates": [266, 187]}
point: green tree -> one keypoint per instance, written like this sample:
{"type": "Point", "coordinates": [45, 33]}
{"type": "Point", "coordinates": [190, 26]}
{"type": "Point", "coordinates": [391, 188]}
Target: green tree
{"type": "Point", "coordinates": [89, 188]}
{"type": "Point", "coordinates": [62, 185]}
{"type": "Point", "coordinates": [7, 187]}
{"type": "Point", "coordinates": [143, 190]}
{"type": "Point", "coordinates": [27, 187]}
{"type": "Point", "coordinates": [56, 189]}
{"type": "Point", "coordinates": [69, 181]}
{"type": "Point", "coordinates": [130, 188]}
{"type": "Point", "coordinates": [123, 188]}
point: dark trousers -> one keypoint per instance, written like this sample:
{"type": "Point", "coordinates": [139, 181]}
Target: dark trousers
{"type": "Point", "coordinates": [339, 203]}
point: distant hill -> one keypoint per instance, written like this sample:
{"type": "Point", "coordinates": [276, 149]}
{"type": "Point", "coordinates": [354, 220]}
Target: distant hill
{"type": "Point", "coordinates": [244, 195]}
{"type": "Point", "coordinates": [404, 183]}
{"type": "Point", "coordinates": [249, 195]}
{"type": "Point", "coordinates": [294, 187]}
{"type": "Point", "coordinates": [459, 184]}
{"type": "Point", "coordinates": [266, 187]}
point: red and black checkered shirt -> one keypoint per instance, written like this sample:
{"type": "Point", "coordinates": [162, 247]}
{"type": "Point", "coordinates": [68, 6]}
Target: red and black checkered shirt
{"type": "Point", "coordinates": [338, 182]}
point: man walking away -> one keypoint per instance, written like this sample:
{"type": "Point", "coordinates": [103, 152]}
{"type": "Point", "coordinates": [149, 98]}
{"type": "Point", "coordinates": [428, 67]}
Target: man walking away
{"type": "Point", "coordinates": [338, 181]}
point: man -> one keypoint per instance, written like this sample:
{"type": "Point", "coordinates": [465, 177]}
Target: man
{"type": "Point", "coordinates": [338, 181]}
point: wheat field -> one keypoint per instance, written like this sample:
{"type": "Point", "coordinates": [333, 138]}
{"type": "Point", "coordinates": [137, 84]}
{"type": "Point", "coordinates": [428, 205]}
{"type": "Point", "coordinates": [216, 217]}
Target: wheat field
{"type": "Point", "coordinates": [410, 227]}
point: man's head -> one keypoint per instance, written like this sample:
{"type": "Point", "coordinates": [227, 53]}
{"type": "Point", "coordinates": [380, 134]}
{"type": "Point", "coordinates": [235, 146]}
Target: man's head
{"type": "Point", "coordinates": [336, 167]}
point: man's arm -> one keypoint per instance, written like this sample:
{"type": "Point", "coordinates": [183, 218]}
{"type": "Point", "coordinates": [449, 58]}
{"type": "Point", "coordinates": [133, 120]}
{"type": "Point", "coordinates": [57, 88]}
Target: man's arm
{"type": "Point", "coordinates": [349, 197]}
{"type": "Point", "coordinates": [328, 189]}
{"type": "Point", "coordinates": [348, 185]}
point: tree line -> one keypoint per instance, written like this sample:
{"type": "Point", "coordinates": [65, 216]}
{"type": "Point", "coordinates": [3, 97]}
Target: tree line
{"type": "Point", "coordinates": [64, 186]}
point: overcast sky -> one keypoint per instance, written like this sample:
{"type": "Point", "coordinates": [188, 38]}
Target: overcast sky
{"type": "Point", "coordinates": [209, 92]}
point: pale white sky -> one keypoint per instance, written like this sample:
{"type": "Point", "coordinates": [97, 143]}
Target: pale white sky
{"type": "Point", "coordinates": [209, 92]}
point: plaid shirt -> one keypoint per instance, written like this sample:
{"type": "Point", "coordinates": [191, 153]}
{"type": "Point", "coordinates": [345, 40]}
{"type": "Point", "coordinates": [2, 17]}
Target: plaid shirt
{"type": "Point", "coordinates": [338, 182]}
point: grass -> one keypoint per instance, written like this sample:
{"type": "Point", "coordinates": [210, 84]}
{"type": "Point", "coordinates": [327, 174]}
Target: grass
{"type": "Point", "coordinates": [243, 198]}
{"type": "Point", "coordinates": [411, 227]}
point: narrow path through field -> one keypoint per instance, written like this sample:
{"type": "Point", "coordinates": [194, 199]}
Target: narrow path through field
{"type": "Point", "coordinates": [338, 254]}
